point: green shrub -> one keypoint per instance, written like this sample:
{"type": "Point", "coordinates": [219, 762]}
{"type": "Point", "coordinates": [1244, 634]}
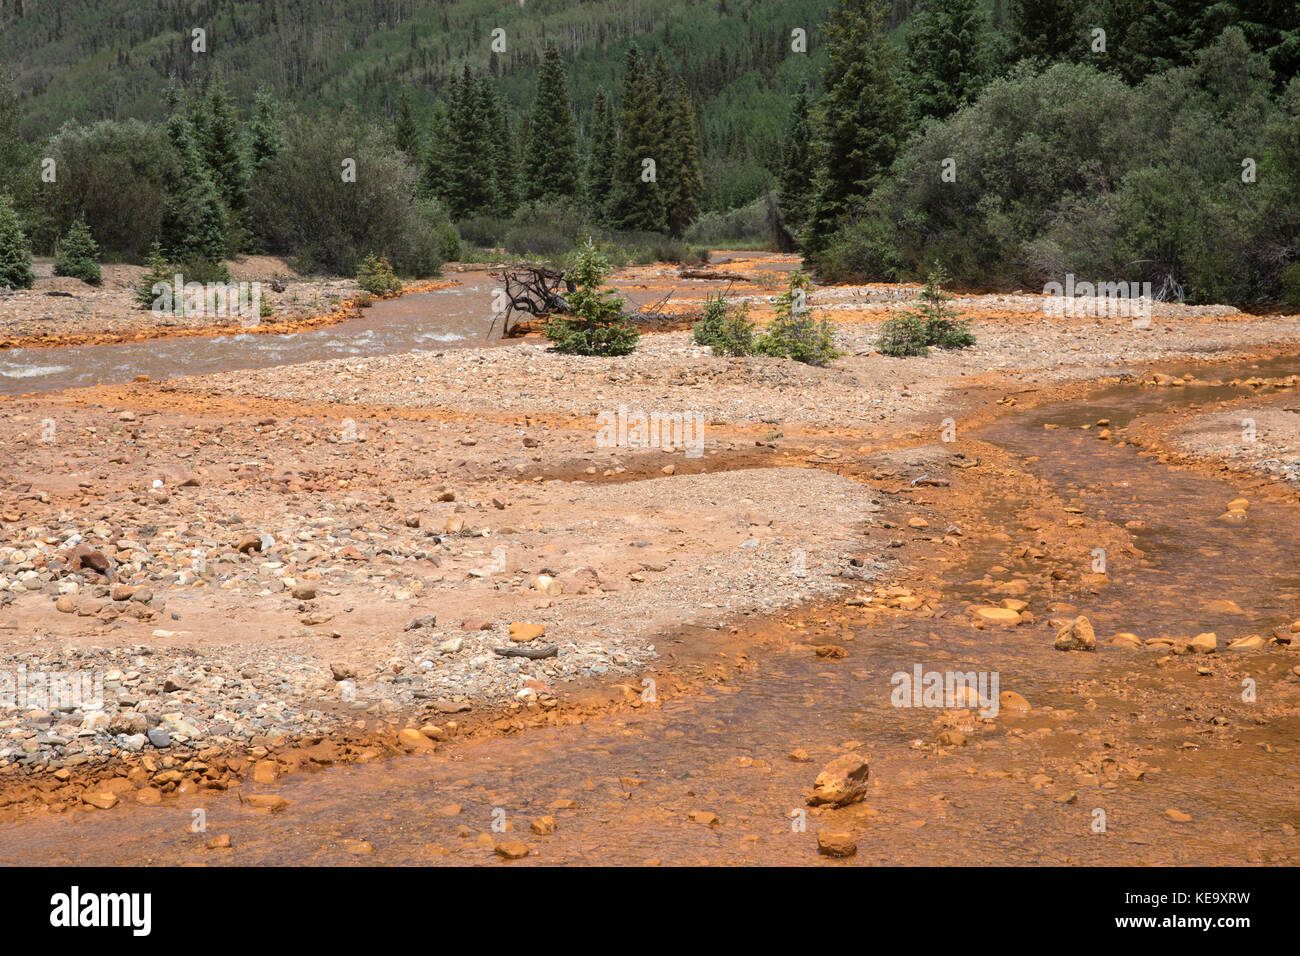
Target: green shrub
{"type": "Point", "coordinates": [200, 270]}
{"type": "Point", "coordinates": [78, 255]}
{"type": "Point", "coordinates": [597, 326]}
{"type": "Point", "coordinates": [158, 272]}
{"type": "Point", "coordinates": [794, 333]}
{"type": "Point", "coordinates": [1291, 285]}
{"type": "Point", "coordinates": [725, 327]}
{"type": "Point", "coordinates": [375, 275]}
{"type": "Point", "coordinates": [15, 253]}
{"type": "Point", "coordinates": [933, 323]}
{"type": "Point", "coordinates": [901, 336]}
{"type": "Point", "coordinates": [709, 328]}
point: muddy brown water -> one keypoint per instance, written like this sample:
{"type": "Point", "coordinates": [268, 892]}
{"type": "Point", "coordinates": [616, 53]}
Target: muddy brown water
{"type": "Point", "coordinates": [636, 778]}
{"type": "Point", "coordinates": [459, 316]}
{"type": "Point", "coordinates": [455, 317]}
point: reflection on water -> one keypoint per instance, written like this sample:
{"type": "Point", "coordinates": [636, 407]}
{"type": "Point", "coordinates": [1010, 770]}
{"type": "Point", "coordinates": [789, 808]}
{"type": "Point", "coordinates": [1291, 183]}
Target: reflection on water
{"type": "Point", "coordinates": [447, 318]}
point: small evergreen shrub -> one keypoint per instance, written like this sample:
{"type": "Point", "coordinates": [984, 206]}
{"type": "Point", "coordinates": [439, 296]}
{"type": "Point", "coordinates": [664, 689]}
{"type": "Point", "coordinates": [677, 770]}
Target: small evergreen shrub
{"type": "Point", "coordinates": [15, 253]}
{"type": "Point", "coordinates": [78, 255]}
{"type": "Point", "coordinates": [596, 325]}
{"type": "Point", "coordinates": [901, 336]}
{"type": "Point", "coordinates": [707, 330]}
{"type": "Point", "coordinates": [794, 333]}
{"type": "Point", "coordinates": [158, 272]}
{"type": "Point", "coordinates": [933, 323]}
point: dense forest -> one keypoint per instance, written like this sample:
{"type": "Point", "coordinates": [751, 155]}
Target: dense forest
{"type": "Point", "coordinates": [1008, 141]}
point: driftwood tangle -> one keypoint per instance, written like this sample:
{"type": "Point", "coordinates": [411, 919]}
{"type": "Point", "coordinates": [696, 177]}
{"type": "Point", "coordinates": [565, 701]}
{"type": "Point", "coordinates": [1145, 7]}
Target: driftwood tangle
{"type": "Point", "coordinates": [535, 291]}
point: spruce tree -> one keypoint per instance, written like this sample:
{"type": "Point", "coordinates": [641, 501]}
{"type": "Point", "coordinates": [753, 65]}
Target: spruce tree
{"type": "Point", "coordinates": [945, 57]}
{"type": "Point", "coordinates": [505, 167]}
{"type": "Point", "coordinates": [405, 135]}
{"type": "Point", "coordinates": [601, 156]}
{"type": "Point", "coordinates": [223, 155]}
{"type": "Point", "coordinates": [15, 253]}
{"type": "Point", "coordinates": [433, 176]}
{"type": "Point", "coordinates": [78, 254]}
{"type": "Point", "coordinates": [265, 129]}
{"type": "Point", "coordinates": [636, 201]}
{"type": "Point", "coordinates": [864, 115]}
{"type": "Point", "coordinates": [551, 168]}
{"type": "Point", "coordinates": [194, 219]}
{"type": "Point", "coordinates": [795, 177]}
{"type": "Point", "coordinates": [469, 170]}
{"type": "Point", "coordinates": [685, 189]}
{"type": "Point", "coordinates": [1047, 29]}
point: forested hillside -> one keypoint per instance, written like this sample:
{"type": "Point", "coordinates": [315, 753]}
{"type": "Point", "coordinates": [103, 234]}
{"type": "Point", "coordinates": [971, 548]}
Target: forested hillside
{"type": "Point", "coordinates": [1007, 141]}
{"type": "Point", "coordinates": [98, 59]}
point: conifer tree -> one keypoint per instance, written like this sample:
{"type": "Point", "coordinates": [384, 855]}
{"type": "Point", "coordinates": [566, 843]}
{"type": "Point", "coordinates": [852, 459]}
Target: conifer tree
{"type": "Point", "coordinates": [945, 57]}
{"type": "Point", "coordinates": [636, 201]}
{"type": "Point", "coordinates": [433, 176]}
{"type": "Point", "coordinates": [685, 189]}
{"type": "Point", "coordinates": [78, 254]}
{"type": "Point", "coordinates": [601, 156]}
{"type": "Point", "coordinates": [15, 253]}
{"type": "Point", "coordinates": [405, 135]}
{"type": "Point", "coordinates": [223, 154]}
{"type": "Point", "coordinates": [1046, 29]}
{"type": "Point", "coordinates": [469, 170]}
{"type": "Point", "coordinates": [194, 222]}
{"type": "Point", "coordinates": [864, 113]}
{"type": "Point", "coordinates": [795, 177]}
{"type": "Point", "coordinates": [505, 168]}
{"type": "Point", "coordinates": [265, 129]}
{"type": "Point", "coordinates": [551, 167]}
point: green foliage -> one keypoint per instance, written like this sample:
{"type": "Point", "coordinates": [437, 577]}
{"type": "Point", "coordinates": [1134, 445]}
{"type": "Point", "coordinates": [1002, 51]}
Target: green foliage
{"type": "Point", "coordinates": [78, 255]}
{"type": "Point", "coordinates": [158, 272]}
{"type": "Point", "coordinates": [375, 276]}
{"type": "Point", "coordinates": [115, 175]}
{"type": "Point", "coordinates": [15, 254]}
{"type": "Point", "coordinates": [596, 325]}
{"type": "Point", "coordinates": [1291, 285]}
{"type": "Point", "coordinates": [708, 329]}
{"type": "Point", "coordinates": [601, 156]}
{"type": "Point", "coordinates": [682, 187]}
{"type": "Point", "coordinates": [302, 207]}
{"type": "Point", "coordinates": [864, 111]}
{"type": "Point", "coordinates": [901, 336]}
{"type": "Point", "coordinates": [749, 227]}
{"type": "Point", "coordinates": [636, 202]}
{"type": "Point", "coordinates": [468, 184]}
{"type": "Point", "coordinates": [942, 327]}
{"type": "Point", "coordinates": [1046, 29]}
{"type": "Point", "coordinates": [406, 136]}
{"type": "Point", "coordinates": [933, 323]}
{"type": "Point", "coordinates": [797, 166]}
{"type": "Point", "coordinates": [1068, 170]}
{"type": "Point", "coordinates": [265, 130]}
{"type": "Point", "coordinates": [725, 327]}
{"type": "Point", "coordinates": [945, 56]}
{"type": "Point", "coordinates": [794, 333]}
{"type": "Point", "coordinates": [551, 168]}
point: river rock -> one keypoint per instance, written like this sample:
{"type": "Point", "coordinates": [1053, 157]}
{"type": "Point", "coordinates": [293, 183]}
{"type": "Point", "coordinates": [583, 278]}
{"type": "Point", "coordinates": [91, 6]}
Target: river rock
{"type": "Point", "coordinates": [1076, 636]}
{"type": "Point", "coordinates": [842, 781]}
